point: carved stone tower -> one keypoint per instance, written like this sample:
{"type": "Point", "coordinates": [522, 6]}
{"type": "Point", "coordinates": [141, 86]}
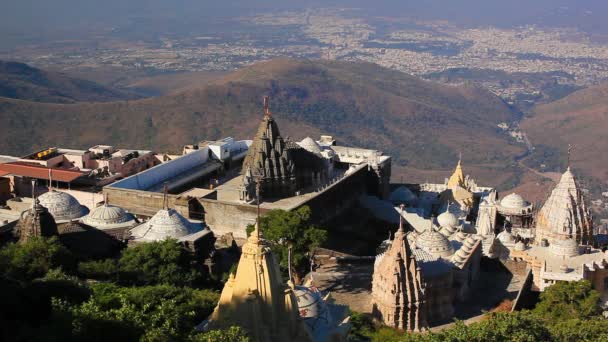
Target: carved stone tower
{"type": "Point", "coordinates": [269, 161]}
{"type": "Point", "coordinates": [397, 286]}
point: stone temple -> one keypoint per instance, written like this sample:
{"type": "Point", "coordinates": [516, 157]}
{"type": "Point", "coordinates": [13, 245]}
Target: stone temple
{"type": "Point", "coordinates": [398, 293]}
{"type": "Point", "coordinates": [555, 243]}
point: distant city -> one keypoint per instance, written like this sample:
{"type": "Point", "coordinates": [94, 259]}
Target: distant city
{"type": "Point", "coordinates": [549, 57]}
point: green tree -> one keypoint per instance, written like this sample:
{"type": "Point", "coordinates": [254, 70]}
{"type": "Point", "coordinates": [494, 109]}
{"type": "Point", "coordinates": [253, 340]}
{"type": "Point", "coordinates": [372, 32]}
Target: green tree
{"type": "Point", "coordinates": [148, 313]}
{"type": "Point", "coordinates": [163, 262]}
{"type": "Point", "coordinates": [33, 259]}
{"type": "Point", "coordinates": [285, 229]}
{"type": "Point", "coordinates": [568, 300]}
{"type": "Point", "coordinates": [232, 334]}
{"type": "Point", "coordinates": [99, 269]}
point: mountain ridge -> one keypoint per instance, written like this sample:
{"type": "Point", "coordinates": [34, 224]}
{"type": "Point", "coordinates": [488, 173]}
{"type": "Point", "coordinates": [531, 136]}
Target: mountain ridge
{"type": "Point", "coordinates": [21, 81]}
{"type": "Point", "coordinates": [420, 123]}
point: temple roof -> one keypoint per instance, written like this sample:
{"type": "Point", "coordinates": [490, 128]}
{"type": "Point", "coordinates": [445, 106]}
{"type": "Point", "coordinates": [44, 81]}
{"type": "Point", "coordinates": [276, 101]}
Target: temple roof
{"type": "Point", "coordinates": [166, 223]}
{"type": "Point", "coordinates": [565, 212]}
{"type": "Point", "coordinates": [267, 155]}
{"type": "Point", "coordinates": [63, 206]}
{"type": "Point", "coordinates": [257, 299]}
{"type": "Point", "coordinates": [457, 178]}
{"type": "Point", "coordinates": [109, 217]}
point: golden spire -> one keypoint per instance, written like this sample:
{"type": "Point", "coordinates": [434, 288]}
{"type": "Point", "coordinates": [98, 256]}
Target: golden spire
{"type": "Point", "coordinates": [457, 178]}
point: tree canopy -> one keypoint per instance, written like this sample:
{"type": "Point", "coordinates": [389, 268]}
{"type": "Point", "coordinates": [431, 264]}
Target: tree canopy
{"type": "Point", "coordinates": [285, 229]}
{"type": "Point", "coordinates": [161, 262]}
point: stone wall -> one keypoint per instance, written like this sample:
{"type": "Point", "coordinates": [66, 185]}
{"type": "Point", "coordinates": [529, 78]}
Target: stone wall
{"type": "Point", "coordinates": [145, 203]}
{"type": "Point", "coordinates": [226, 217]}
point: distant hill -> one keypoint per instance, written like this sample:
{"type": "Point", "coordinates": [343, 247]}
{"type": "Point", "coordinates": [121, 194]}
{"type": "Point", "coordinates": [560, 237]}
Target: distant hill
{"type": "Point", "coordinates": [21, 81]}
{"type": "Point", "coordinates": [422, 124]}
{"type": "Point", "coordinates": [580, 119]}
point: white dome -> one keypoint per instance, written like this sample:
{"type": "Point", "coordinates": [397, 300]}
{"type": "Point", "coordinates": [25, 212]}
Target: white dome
{"type": "Point", "coordinates": [506, 238]}
{"type": "Point", "coordinates": [447, 219]}
{"type": "Point", "coordinates": [402, 195]}
{"type": "Point", "coordinates": [520, 246]}
{"type": "Point", "coordinates": [310, 145]}
{"type": "Point", "coordinates": [567, 247]}
{"type": "Point", "coordinates": [63, 206]}
{"type": "Point", "coordinates": [514, 201]}
{"type": "Point", "coordinates": [163, 225]}
{"type": "Point", "coordinates": [108, 216]}
{"type": "Point", "coordinates": [434, 243]}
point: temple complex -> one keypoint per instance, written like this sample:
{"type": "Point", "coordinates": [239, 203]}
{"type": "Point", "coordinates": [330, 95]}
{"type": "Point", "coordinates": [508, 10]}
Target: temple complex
{"type": "Point", "coordinates": [398, 293]}
{"type": "Point", "coordinates": [214, 180]}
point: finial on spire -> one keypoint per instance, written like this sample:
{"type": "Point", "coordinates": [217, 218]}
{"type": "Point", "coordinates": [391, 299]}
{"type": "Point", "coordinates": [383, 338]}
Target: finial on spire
{"type": "Point", "coordinates": [401, 218]}
{"type": "Point", "coordinates": [266, 106]}
{"type": "Point", "coordinates": [165, 196]}
{"type": "Point", "coordinates": [459, 157]}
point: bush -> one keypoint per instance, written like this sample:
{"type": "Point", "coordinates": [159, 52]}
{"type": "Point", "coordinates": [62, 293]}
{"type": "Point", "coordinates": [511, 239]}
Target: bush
{"type": "Point", "coordinates": [163, 262]}
{"type": "Point", "coordinates": [284, 229]}
{"type": "Point", "coordinates": [33, 259]}
{"type": "Point", "coordinates": [99, 269]}
{"type": "Point", "coordinates": [232, 334]}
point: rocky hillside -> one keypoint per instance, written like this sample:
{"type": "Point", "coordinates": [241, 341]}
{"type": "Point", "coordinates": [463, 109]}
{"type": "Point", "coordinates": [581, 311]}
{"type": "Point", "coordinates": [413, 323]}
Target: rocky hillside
{"type": "Point", "coordinates": [21, 81]}
{"type": "Point", "coordinates": [422, 124]}
{"type": "Point", "coordinates": [580, 119]}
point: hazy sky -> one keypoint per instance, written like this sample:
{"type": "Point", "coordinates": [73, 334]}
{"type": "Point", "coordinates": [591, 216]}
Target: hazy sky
{"type": "Point", "coordinates": [41, 15]}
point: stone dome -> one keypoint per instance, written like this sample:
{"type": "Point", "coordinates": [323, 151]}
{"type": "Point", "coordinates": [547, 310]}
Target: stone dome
{"type": "Point", "coordinates": [402, 195]}
{"type": "Point", "coordinates": [520, 246]}
{"type": "Point", "coordinates": [514, 201]}
{"type": "Point", "coordinates": [566, 247]}
{"type": "Point", "coordinates": [506, 238]}
{"type": "Point", "coordinates": [108, 216]}
{"type": "Point", "coordinates": [63, 206]}
{"type": "Point", "coordinates": [434, 243]}
{"type": "Point", "coordinates": [165, 224]}
{"type": "Point", "coordinates": [310, 145]}
{"type": "Point", "coordinates": [447, 219]}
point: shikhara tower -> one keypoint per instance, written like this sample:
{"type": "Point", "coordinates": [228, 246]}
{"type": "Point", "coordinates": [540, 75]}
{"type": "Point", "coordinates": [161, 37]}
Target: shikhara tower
{"type": "Point", "coordinates": [269, 161]}
{"type": "Point", "coordinates": [398, 297]}
{"type": "Point", "coordinates": [565, 214]}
